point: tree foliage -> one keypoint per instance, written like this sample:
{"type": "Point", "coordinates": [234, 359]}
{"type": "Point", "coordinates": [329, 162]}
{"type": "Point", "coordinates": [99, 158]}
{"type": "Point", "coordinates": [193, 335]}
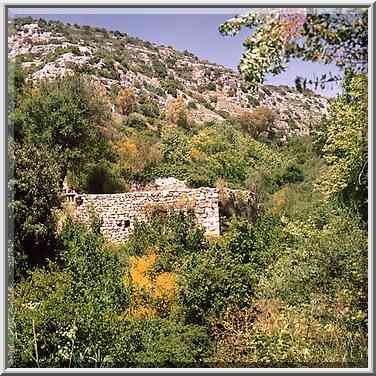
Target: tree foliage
{"type": "Point", "coordinates": [65, 115]}
{"type": "Point", "coordinates": [70, 316]}
{"type": "Point", "coordinates": [257, 122]}
{"type": "Point", "coordinates": [277, 37]}
{"type": "Point", "coordinates": [125, 101]}
{"type": "Point", "coordinates": [36, 187]}
{"type": "Point", "coordinates": [56, 131]}
{"type": "Point", "coordinates": [344, 140]}
{"type": "Point", "coordinates": [176, 112]}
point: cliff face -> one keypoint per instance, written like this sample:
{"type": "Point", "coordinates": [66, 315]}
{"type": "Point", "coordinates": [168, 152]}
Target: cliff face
{"type": "Point", "coordinates": [117, 60]}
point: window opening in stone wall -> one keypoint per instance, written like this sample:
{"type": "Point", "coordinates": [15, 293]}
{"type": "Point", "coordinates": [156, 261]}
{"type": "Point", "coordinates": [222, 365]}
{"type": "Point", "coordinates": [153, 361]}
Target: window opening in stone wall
{"type": "Point", "coordinates": [125, 223]}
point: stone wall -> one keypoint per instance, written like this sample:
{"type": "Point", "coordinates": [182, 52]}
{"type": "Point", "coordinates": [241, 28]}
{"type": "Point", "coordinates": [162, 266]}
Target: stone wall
{"type": "Point", "coordinates": [118, 212]}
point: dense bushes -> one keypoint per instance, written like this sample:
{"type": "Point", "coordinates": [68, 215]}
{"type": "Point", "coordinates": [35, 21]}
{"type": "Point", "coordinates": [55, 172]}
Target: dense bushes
{"type": "Point", "coordinates": [52, 56]}
{"type": "Point", "coordinates": [159, 68]}
{"type": "Point", "coordinates": [64, 115]}
{"type": "Point", "coordinates": [241, 299]}
{"type": "Point", "coordinates": [86, 325]}
{"type": "Point", "coordinates": [285, 284]}
{"type": "Point", "coordinates": [67, 316]}
{"type": "Point", "coordinates": [136, 121]}
{"type": "Point", "coordinates": [171, 87]}
{"type": "Point", "coordinates": [72, 315]}
{"type": "Point", "coordinates": [148, 107]}
{"type": "Point", "coordinates": [163, 343]}
{"type": "Point", "coordinates": [174, 235]}
{"type": "Point", "coordinates": [56, 131]}
{"type": "Point", "coordinates": [137, 154]}
{"type": "Point", "coordinates": [271, 334]}
{"type": "Point", "coordinates": [211, 281]}
{"type": "Point", "coordinates": [36, 186]}
{"type": "Point", "coordinates": [306, 300]}
{"type": "Point", "coordinates": [202, 155]}
{"type": "Point", "coordinates": [344, 144]}
{"type": "Point", "coordinates": [322, 255]}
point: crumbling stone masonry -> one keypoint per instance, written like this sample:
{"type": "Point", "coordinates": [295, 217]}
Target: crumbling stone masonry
{"type": "Point", "coordinates": [118, 212]}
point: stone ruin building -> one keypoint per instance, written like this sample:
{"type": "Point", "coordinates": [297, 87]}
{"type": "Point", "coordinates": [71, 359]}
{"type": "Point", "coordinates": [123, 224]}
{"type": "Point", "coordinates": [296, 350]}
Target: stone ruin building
{"type": "Point", "coordinates": [119, 211]}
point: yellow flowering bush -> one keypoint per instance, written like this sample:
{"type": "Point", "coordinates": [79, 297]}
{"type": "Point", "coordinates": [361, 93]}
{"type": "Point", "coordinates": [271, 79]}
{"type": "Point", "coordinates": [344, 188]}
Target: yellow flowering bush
{"type": "Point", "coordinates": [152, 295]}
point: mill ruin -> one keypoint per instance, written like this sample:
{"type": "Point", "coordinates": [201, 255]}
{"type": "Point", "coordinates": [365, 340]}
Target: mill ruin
{"type": "Point", "coordinates": [118, 212]}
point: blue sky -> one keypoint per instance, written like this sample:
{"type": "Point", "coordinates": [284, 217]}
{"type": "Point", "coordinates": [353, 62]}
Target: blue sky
{"type": "Point", "coordinates": [196, 31]}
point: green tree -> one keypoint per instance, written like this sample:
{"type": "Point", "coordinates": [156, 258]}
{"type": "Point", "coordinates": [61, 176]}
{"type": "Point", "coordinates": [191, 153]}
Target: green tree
{"type": "Point", "coordinates": [277, 37]}
{"type": "Point", "coordinates": [35, 187]}
{"type": "Point", "coordinates": [16, 83]}
{"type": "Point", "coordinates": [171, 87]}
{"type": "Point", "coordinates": [65, 115]}
{"type": "Point", "coordinates": [159, 68]}
{"type": "Point", "coordinates": [344, 140]}
{"type": "Point", "coordinates": [56, 131]}
{"type": "Point", "coordinates": [257, 122]}
{"type": "Point", "coordinates": [336, 37]}
{"type": "Point", "coordinates": [136, 121]}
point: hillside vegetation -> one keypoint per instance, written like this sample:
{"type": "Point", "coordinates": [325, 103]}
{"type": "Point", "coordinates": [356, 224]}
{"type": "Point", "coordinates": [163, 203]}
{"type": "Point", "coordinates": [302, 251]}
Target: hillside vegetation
{"type": "Point", "coordinates": [284, 285]}
{"type": "Point", "coordinates": [155, 74]}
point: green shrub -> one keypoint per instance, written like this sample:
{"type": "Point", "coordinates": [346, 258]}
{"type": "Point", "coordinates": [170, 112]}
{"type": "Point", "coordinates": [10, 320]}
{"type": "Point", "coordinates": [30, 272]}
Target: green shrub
{"type": "Point", "coordinates": [145, 69]}
{"type": "Point", "coordinates": [65, 114]}
{"type": "Point", "coordinates": [171, 61]}
{"type": "Point", "coordinates": [61, 117]}
{"type": "Point", "coordinates": [329, 253]}
{"type": "Point", "coordinates": [345, 146]}
{"type": "Point", "coordinates": [163, 343]}
{"type": "Point", "coordinates": [137, 121]}
{"type": "Point", "coordinates": [109, 72]}
{"type": "Point", "coordinates": [159, 68]}
{"type": "Point", "coordinates": [53, 55]}
{"type": "Point", "coordinates": [192, 105]}
{"type": "Point", "coordinates": [70, 316]}
{"type": "Point", "coordinates": [171, 86]}
{"type": "Point", "coordinates": [36, 186]}
{"type": "Point", "coordinates": [85, 69]}
{"type": "Point", "coordinates": [211, 86]}
{"type": "Point", "coordinates": [173, 235]}
{"type": "Point", "coordinates": [26, 57]}
{"type": "Point", "coordinates": [156, 90]}
{"type": "Point", "coordinates": [148, 108]}
{"type": "Point", "coordinates": [253, 101]}
{"type": "Point", "coordinates": [256, 244]}
{"type": "Point", "coordinates": [293, 174]}
{"type": "Point", "coordinates": [211, 281]}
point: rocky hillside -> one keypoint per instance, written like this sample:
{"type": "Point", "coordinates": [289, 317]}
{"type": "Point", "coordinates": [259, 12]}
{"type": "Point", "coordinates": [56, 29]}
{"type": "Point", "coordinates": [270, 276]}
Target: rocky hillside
{"type": "Point", "coordinates": [117, 60]}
